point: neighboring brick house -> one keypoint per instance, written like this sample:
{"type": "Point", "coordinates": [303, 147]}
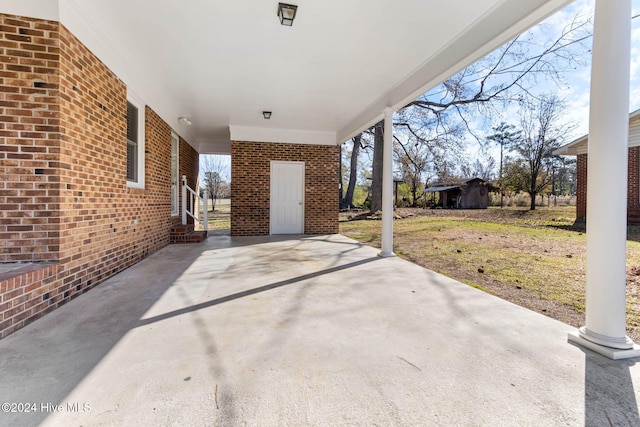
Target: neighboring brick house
{"type": "Point", "coordinates": [579, 149]}
{"type": "Point", "coordinates": [68, 210]}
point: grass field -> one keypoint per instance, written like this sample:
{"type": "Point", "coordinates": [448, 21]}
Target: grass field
{"type": "Point", "coordinates": [220, 217]}
{"type": "Point", "coordinates": [536, 259]}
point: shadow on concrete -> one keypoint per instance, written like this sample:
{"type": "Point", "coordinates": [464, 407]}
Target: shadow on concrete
{"type": "Point", "coordinates": [43, 365]}
{"type": "Point", "coordinates": [253, 291]}
{"type": "Point", "coordinates": [609, 396]}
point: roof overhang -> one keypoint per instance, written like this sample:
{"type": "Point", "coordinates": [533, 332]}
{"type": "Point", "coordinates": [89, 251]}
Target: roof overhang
{"type": "Point", "coordinates": [580, 145]}
{"type": "Point", "coordinates": [438, 189]}
{"type": "Point", "coordinates": [326, 78]}
{"type": "Point", "coordinates": [573, 148]}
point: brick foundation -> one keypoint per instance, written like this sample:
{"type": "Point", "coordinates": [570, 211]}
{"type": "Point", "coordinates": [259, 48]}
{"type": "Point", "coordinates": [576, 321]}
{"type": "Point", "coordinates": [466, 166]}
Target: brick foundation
{"type": "Point", "coordinates": [250, 186]}
{"type": "Point", "coordinates": [63, 196]}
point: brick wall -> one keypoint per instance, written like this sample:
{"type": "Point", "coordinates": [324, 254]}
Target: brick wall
{"type": "Point", "coordinates": [65, 198]}
{"type": "Point", "coordinates": [189, 167]}
{"type": "Point", "coordinates": [188, 163]}
{"type": "Point", "coordinates": [250, 186]}
{"type": "Point", "coordinates": [581, 187]}
{"type": "Point", "coordinates": [633, 187]}
{"type": "Point", "coordinates": [29, 139]}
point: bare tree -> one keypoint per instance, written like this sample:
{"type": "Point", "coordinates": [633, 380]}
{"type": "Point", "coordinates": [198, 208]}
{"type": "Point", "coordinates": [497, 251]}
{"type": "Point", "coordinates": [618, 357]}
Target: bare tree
{"type": "Point", "coordinates": [511, 73]}
{"type": "Point", "coordinates": [542, 132]}
{"type": "Point", "coordinates": [483, 168]}
{"type": "Point", "coordinates": [419, 149]}
{"type": "Point", "coordinates": [215, 178]}
{"type": "Point", "coordinates": [413, 166]}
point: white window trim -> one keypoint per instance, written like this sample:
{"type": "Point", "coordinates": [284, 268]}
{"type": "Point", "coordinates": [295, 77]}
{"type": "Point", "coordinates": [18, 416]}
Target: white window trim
{"type": "Point", "coordinates": [137, 102]}
{"type": "Point", "coordinates": [174, 136]}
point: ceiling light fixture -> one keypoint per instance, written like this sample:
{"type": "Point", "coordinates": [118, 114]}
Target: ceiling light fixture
{"type": "Point", "coordinates": [287, 13]}
{"type": "Point", "coordinates": [184, 121]}
{"type": "Point", "coordinates": [266, 114]}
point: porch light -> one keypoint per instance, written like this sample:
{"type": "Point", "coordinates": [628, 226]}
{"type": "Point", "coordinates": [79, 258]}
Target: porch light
{"type": "Point", "coordinates": [184, 121]}
{"type": "Point", "coordinates": [287, 13]}
{"type": "Point", "coordinates": [266, 114]}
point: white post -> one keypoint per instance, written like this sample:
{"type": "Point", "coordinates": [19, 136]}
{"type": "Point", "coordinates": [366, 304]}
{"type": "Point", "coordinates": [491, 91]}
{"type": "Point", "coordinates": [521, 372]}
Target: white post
{"type": "Point", "coordinates": [205, 194]}
{"type": "Point", "coordinates": [184, 199]}
{"type": "Point", "coordinates": [605, 329]}
{"type": "Point", "coordinates": [387, 186]}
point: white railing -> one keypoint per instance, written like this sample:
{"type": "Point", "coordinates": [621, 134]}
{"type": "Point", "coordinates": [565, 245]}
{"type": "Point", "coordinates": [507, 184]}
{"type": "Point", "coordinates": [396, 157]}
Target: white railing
{"type": "Point", "coordinates": [192, 204]}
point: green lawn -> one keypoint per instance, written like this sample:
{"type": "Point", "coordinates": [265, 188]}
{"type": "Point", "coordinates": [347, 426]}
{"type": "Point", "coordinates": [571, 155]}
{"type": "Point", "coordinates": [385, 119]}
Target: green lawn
{"type": "Point", "coordinates": [535, 259]}
{"type": "Point", "coordinates": [220, 218]}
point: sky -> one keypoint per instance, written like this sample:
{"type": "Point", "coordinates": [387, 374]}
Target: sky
{"type": "Point", "coordinates": [575, 88]}
{"type": "Point", "coordinates": [576, 91]}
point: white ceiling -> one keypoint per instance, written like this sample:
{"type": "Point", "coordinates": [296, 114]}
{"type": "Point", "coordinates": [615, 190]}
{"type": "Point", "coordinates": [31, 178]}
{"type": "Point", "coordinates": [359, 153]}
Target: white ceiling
{"type": "Point", "coordinates": [326, 78]}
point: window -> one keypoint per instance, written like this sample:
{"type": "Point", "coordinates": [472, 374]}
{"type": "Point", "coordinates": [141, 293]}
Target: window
{"type": "Point", "coordinates": [135, 143]}
{"type": "Point", "coordinates": [132, 142]}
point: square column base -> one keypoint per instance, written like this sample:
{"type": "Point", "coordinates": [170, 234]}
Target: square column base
{"type": "Point", "coordinates": [611, 353]}
{"type": "Point", "coordinates": [386, 254]}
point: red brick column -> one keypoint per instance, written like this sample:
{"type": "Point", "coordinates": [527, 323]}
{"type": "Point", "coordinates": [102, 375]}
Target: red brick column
{"type": "Point", "coordinates": [633, 189]}
{"type": "Point", "coordinates": [581, 187]}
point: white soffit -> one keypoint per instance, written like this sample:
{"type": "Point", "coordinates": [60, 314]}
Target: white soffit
{"type": "Point", "coordinates": [573, 148]}
{"type": "Point", "coordinates": [221, 63]}
{"type": "Point", "coordinates": [41, 9]}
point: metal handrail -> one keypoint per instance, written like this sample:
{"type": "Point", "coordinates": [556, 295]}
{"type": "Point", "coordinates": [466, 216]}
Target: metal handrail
{"type": "Point", "coordinates": [189, 209]}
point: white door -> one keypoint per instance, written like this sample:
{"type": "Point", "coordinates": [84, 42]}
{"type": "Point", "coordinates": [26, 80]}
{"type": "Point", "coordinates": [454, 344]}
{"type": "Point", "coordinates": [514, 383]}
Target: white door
{"type": "Point", "coordinates": [287, 197]}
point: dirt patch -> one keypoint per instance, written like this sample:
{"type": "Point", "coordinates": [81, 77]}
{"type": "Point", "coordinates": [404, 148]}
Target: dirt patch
{"type": "Point", "coordinates": [376, 216]}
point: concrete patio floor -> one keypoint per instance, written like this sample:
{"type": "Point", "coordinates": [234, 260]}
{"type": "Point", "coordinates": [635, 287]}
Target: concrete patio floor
{"type": "Point", "coordinates": [296, 331]}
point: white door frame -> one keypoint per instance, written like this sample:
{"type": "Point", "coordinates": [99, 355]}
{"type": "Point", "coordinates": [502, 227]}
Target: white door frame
{"type": "Point", "coordinates": [272, 198]}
